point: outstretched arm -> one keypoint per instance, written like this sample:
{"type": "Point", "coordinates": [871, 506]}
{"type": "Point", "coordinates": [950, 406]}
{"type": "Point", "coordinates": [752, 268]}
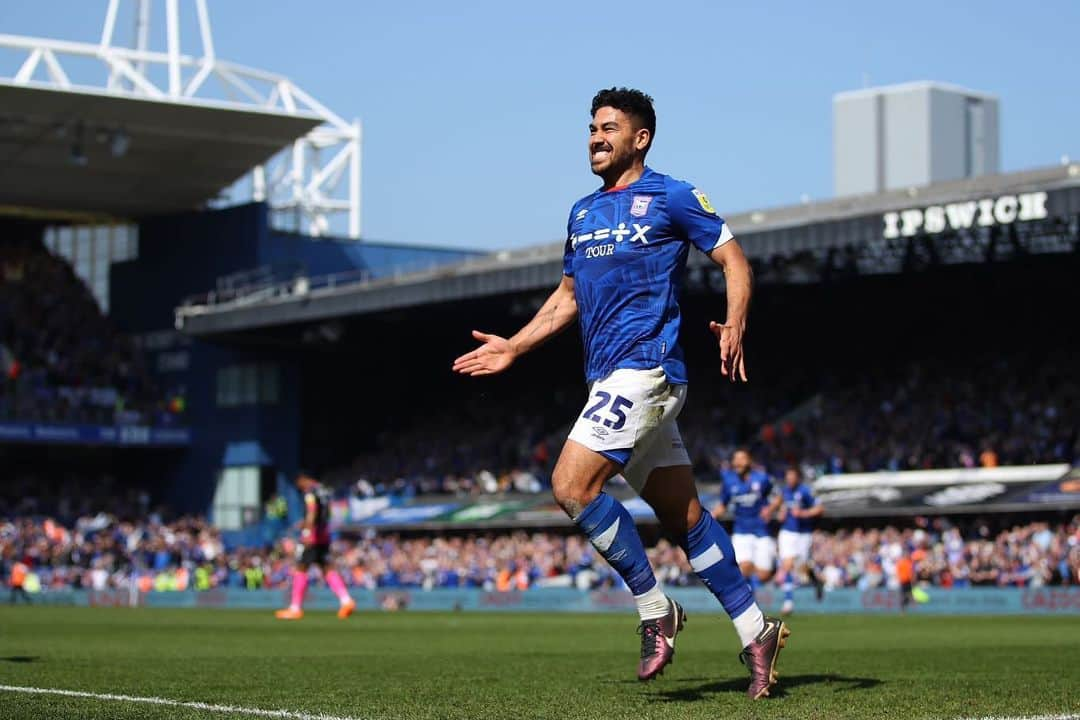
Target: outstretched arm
{"type": "Point", "coordinates": [497, 353]}
{"type": "Point", "coordinates": [810, 512]}
{"type": "Point", "coordinates": [774, 505]}
{"type": "Point", "coordinates": [740, 281]}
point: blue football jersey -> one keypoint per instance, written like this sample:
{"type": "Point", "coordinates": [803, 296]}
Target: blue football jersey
{"type": "Point", "coordinates": [800, 497]}
{"type": "Point", "coordinates": [746, 499]}
{"type": "Point", "coordinates": [626, 249]}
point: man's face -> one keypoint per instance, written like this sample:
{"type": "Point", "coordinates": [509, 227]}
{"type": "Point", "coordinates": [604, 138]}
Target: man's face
{"type": "Point", "coordinates": [741, 462]}
{"type": "Point", "coordinates": [614, 141]}
{"type": "Point", "coordinates": [791, 477]}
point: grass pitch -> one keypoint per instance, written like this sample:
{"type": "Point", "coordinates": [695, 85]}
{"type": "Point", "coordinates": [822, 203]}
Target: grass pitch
{"type": "Point", "coordinates": [465, 665]}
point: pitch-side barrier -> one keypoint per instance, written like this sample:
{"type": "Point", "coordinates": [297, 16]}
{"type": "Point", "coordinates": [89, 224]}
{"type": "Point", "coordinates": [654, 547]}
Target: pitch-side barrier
{"type": "Point", "coordinates": [939, 601]}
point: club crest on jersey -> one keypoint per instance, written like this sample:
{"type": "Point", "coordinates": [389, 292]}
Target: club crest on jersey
{"type": "Point", "coordinates": [640, 205]}
{"type": "Point", "coordinates": [703, 201]}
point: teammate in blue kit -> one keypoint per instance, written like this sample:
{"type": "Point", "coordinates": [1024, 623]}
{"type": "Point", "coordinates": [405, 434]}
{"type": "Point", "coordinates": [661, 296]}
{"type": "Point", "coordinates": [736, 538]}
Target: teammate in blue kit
{"type": "Point", "coordinates": [750, 494]}
{"type": "Point", "coordinates": [797, 515]}
{"type": "Point", "coordinates": [625, 256]}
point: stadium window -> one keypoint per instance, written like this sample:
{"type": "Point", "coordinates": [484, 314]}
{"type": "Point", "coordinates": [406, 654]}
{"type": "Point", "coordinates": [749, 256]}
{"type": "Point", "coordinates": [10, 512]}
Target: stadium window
{"type": "Point", "coordinates": [83, 259]}
{"type": "Point", "coordinates": [132, 242]}
{"type": "Point", "coordinates": [82, 266]}
{"type": "Point", "coordinates": [269, 384]}
{"type": "Point", "coordinates": [237, 497]}
{"type": "Point", "coordinates": [101, 292]}
{"type": "Point", "coordinates": [101, 267]}
{"type": "Point", "coordinates": [124, 243]}
{"type": "Point", "coordinates": [248, 384]}
{"type": "Point", "coordinates": [102, 247]}
{"type": "Point", "coordinates": [64, 242]}
{"type": "Point", "coordinates": [227, 387]}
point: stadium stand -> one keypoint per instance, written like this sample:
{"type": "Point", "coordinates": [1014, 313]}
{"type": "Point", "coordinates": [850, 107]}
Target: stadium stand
{"type": "Point", "coordinates": [61, 358]}
{"type": "Point", "coordinates": [1021, 408]}
{"type": "Point", "coordinates": [103, 551]}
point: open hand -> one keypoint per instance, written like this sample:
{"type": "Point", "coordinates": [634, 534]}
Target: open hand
{"type": "Point", "coordinates": [732, 362]}
{"type": "Point", "coordinates": [495, 355]}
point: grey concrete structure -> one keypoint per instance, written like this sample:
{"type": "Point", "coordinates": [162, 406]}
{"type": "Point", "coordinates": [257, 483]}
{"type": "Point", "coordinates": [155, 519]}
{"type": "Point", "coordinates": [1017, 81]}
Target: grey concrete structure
{"type": "Point", "coordinates": [912, 135]}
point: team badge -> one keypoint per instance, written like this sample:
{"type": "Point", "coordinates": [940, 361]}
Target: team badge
{"type": "Point", "coordinates": [640, 205]}
{"type": "Point", "coordinates": [703, 201]}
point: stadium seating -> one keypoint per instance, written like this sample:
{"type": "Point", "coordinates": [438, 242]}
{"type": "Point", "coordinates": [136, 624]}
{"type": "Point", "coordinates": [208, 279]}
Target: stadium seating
{"type": "Point", "coordinates": [61, 360]}
{"type": "Point", "coordinates": [99, 551]}
{"type": "Point", "coordinates": [1018, 409]}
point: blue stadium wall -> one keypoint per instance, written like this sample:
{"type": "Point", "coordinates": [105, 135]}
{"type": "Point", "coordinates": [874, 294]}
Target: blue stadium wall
{"type": "Point", "coordinates": [184, 255]}
{"type": "Point", "coordinates": [698, 601]}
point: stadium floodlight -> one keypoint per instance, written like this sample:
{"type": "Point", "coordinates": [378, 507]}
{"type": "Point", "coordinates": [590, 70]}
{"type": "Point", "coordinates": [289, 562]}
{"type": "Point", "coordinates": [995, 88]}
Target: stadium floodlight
{"type": "Point", "coordinates": [308, 184]}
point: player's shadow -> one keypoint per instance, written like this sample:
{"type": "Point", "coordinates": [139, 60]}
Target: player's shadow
{"type": "Point", "coordinates": [838, 683]}
{"type": "Point", "coordinates": [19, 658]}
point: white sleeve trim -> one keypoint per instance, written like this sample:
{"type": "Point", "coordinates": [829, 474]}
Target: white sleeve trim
{"type": "Point", "coordinates": [725, 235]}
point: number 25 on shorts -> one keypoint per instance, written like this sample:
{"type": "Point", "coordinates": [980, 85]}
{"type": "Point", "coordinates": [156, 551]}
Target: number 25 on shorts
{"type": "Point", "coordinates": [616, 417]}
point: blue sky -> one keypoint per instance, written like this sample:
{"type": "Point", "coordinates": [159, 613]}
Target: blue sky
{"type": "Point", "coordinates": [475, 113]}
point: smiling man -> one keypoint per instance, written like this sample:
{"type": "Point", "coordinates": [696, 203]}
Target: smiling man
{"type": "Point", "coordinates": [625, 256]}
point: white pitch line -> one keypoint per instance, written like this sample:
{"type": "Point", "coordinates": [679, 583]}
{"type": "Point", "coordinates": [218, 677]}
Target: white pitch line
{"type": "Point", "coordinates": [1070, 716]}
{"type": "Point", "coordinates": [208, 707]}
{"type": "Point", "coordinates": [290, 715]}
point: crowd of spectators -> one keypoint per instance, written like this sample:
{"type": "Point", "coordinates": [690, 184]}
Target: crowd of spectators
{"type": "Point", "coordinates": [1029, 555]}
{"type": "Point", "coordinates": [61, 360]}
{"type": "Point", "coordinates": [1017, 409]}
{"type": "Point", "coordinates": [67, 494]}
{"type": "Point", "coordinates": [1014, 409]}
{"type": "Point", "coordinates": [103, 552]}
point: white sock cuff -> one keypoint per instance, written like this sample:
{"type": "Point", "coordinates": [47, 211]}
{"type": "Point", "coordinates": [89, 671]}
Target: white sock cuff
{"type": "Point", "coordinates": [748, 624]}
{"type": "Point", "coordinates": [653, 603]}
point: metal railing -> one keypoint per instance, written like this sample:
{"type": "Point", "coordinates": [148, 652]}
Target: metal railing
{"type": "Point", "coordinates": [270, 286]}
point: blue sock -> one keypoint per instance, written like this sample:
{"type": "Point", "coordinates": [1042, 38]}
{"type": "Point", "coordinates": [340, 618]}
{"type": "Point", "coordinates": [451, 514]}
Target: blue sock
{"type": "Point", "coordinates": [789, 590]}
{"type": "Point", "coordinates": [611, 531]}
{"type": "Point", "coordinates": [713, 558]}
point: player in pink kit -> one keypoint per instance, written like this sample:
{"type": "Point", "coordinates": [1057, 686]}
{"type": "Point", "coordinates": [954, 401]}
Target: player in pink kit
{"type": "Point", "coordinates": [315, 549]}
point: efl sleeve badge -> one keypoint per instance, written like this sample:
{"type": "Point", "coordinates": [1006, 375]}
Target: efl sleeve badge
{"type": "Point", "coordinates": [703, 200]}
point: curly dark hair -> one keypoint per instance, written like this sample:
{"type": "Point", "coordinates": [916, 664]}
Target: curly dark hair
{"type": "Point", "coordinates": [634, 103]}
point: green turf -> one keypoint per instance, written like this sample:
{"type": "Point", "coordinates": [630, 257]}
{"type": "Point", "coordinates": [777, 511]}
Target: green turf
{"type": "Point", "coordinates": [528, 666]}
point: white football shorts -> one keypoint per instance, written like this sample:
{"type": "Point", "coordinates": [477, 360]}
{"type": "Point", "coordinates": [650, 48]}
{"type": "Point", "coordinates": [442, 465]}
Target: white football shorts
{"type": "Point", "coordinates": [794, 545]}
{"type": "Point", "coordinates": [630, 418]}
{"type": "Point", "coordinates": [760, 550]}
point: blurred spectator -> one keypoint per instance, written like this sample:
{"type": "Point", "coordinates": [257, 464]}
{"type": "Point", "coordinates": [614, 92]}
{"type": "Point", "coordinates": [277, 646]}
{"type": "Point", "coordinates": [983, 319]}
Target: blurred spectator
{"type": "Point", "coordinates": [101, 551]}
{"type": "Point", "coordinates": [61, 358]}
{"type": "Point", "coordinates": [1018, 409]}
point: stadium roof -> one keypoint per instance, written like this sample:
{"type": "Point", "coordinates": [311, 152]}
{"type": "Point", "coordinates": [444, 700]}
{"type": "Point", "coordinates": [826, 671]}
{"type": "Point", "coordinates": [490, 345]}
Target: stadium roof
{"type": "Point", "coordinates": [535, 268]}
{"type": "Point", "coordinates": [875, 203]}
{"type": "Point", "coordinates": [100, 130]}
{"type": "Point", "coordinates": [89, 151]}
